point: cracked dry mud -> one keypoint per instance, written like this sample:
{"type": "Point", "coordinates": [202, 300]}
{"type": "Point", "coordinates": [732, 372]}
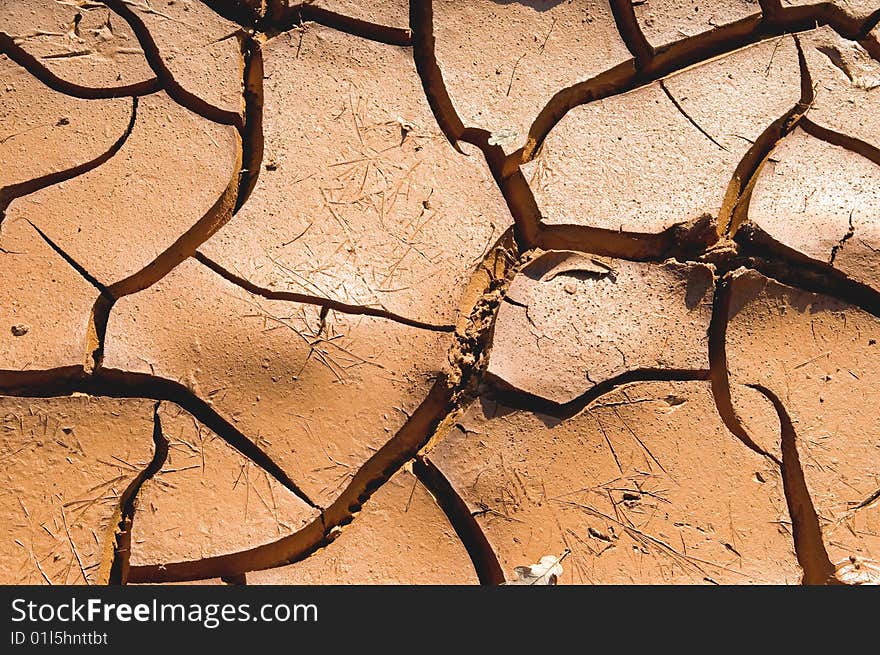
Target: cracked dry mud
{"type": "Point", "coordinates": [421, 292]}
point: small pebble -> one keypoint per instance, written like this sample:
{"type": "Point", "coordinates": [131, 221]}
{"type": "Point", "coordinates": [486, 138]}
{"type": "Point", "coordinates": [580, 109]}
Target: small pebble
{"type": "Point", "coordinates": [20, 329]}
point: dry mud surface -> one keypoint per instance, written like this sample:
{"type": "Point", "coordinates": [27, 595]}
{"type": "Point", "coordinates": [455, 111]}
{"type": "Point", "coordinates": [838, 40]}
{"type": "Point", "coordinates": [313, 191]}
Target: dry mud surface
{"type": "Point", "coordinates": [388, 292]}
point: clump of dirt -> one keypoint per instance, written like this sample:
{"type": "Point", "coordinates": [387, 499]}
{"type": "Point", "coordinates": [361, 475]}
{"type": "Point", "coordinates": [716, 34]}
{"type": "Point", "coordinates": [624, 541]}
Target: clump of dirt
{"type": "Point", "coordinates": [474, 333]}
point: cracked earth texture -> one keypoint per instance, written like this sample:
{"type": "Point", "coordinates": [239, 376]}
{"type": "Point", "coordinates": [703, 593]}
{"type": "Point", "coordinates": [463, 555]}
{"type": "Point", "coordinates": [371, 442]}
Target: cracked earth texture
{"type": "Point", "coordinates": [419, 292]}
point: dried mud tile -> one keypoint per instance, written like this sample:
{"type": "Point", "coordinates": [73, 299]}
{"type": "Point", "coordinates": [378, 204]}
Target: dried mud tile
{"type": "Point", "coordinates": [43, 132]}
{"type": "Point", "coordinates": [823, 202]}
{"type": "Point", "coordinates": [208, 499]}
{"type": "Point", "coordinates": [361, 198]}
{"type": "Point", "coordinates": [199, 47]}
{"type": "Point", "coordinates": [168, 175]}
{"type": "Point", "coordinates": [503, 61]}
{"type": "Point", "coordinates": [44, 303]}
{"type": "Point", "coordinates": [645, 486]}
{"type": "Point", "coordinates": [819, 357]}
{"type": "Point", "coordinates": [319, 396]}
{"type": "Point", "coordinates": [409, 541]}
{"type": "Point", "coordinates": [80, 42]}
{"type": "Point", "coordinates": [570, 322]}
{"type": "Point", "coordinates": [64, 466]}
{"type": "Point", "coordinates": [858, 9]}
{"type": "Point", "coordinates": [736, 97]}
{"type": "Point", "coordinates": [665, 153]}
{"type": "Point", "coordinates": [847, 84]}
{"type": "Point", "coordinates": [594, 169]}
{"type": "Point", "coordinates": [665, 21]}
{"type": "Point", "coordinates": [390, 13]}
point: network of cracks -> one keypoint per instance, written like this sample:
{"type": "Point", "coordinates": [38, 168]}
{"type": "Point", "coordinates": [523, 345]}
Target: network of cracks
{"type": "Point", "coordinates": [389, 292]}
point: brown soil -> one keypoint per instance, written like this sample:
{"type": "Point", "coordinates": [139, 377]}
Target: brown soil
{"type": "Point", "coordinates": [400, 537]}
{"type": "Point", "coordinates": [421, 293]}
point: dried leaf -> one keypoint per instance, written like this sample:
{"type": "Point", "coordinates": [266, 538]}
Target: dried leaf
{"type": "Point", "coordinates": [858, 572]}
{"type": "Point", "coordinates": [502, 137]}
{"type": "Point", "coordinates": [545, 572]}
